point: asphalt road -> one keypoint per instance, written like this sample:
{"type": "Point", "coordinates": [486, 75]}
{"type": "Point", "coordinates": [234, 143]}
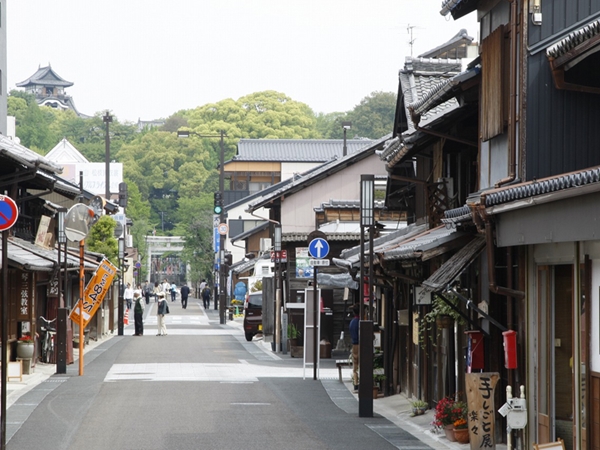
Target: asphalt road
{"type": "Point", "coordinates": [201, 386]}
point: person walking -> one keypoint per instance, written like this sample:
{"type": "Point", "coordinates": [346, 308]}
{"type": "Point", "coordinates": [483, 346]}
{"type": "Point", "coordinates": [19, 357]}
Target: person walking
{"type": "Point", "coordinates": [128, 295]}
{"type": "Point", "coordinates": [354, 335]}
{"type": "Point", "coordinates": [166, 288]}
{"type": "Point", "coordinates": [156, 291]}
{"type": "Point", "coordinates": [185, 292]}
{"type": "Point", "coordinates": [138, 313]}
{"type": "Point", "coordinates": [162, 309]}
{"type": "Point", "coordinates": [147, 292]}
{"type": "Point", "coordinates": [206, 296]}
{"type": "Point", "coordinates": [173, 292]}
{"type": "Point", "coordinates": [201, 288]}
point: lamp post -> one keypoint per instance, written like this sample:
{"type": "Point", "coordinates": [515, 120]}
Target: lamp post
{"type": "Point", "coordinates": [61, 344]}
{"type": "Point", "coordinates": [346, 126]}
{"type": "Point", "coordinates": [220, 211]}
{"type": "Point", "coordinates": [120, 308]}
{"type": "Point", "coordinates": [367, 221]}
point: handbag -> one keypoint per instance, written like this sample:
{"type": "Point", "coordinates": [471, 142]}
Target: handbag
{"type": "Point", "coordinates": [167, 309]}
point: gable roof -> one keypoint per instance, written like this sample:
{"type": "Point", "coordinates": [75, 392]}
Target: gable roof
{"type": "Point", "coordinates": [64, 153]}
{"type": "Point", "coordinates": [317, 174]}
{"type": "Point", "coordinates": [296, 150]}
{"type": "Point", "coordinates": [45, 76]}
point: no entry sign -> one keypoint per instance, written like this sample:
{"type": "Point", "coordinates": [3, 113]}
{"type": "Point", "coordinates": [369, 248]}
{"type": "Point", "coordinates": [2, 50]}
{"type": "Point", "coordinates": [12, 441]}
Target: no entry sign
{"type": "Point", "coordinates": [8, 212]}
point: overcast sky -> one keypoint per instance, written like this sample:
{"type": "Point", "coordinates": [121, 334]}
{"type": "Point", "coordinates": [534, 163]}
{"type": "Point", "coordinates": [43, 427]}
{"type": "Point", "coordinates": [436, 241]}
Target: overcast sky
{"type": "Point", "coordinates": [148, 59]}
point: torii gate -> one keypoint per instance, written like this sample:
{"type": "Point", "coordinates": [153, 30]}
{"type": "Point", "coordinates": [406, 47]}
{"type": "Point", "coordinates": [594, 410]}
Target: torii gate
{"type": "Point", "coordinates": [158, 245]}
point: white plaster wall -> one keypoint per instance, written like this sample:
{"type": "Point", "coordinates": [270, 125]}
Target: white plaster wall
{"type": "Point", "coordinates": [297, 213]}
{"type": "Point", "coordinates": [289, 169]}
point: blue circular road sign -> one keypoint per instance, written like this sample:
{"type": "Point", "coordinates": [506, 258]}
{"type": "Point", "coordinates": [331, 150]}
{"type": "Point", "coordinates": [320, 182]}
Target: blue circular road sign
{"type": "Point", "coordinates": [8, 212]}
{"type": "Point", "coordinates": [318, 248]}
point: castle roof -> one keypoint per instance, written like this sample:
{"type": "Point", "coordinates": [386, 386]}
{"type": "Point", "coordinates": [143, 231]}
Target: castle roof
{"type": "Point", "coordinates": [45, 76]}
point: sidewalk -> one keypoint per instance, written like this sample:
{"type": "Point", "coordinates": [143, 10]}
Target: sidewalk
{"type": "Point", "coordinates": [41, 372]}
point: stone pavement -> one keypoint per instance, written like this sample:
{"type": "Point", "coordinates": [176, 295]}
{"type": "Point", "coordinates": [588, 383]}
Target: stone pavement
{"type": "Point", "coordinates": [395, 408]}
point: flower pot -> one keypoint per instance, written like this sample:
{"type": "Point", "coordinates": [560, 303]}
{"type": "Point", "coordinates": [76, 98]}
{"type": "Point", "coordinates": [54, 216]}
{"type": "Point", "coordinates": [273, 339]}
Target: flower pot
{"type": "Point", "coordinates": [444, 321]}
{"type": "Point", "coordinates": [25, 350]}
{"type": "Point", "coordinates": [449, 432]}
{"type": "Point", "coordinates": [375, 392]}
{"type": "Point", "coordinates": [461, 435]}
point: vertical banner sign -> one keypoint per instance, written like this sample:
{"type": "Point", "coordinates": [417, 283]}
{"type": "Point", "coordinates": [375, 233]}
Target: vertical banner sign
{"type": "Point", "coordinates": [25, 296]}
{"type": "Point", "coordinates": [480, 398]}
{"type": "Point", "coordinates": [52, 290]}
{"type": "Point", "coordinates": [94, 293]}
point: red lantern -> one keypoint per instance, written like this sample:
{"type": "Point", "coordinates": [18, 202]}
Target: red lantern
{"type": "Point", "coordinates": [510, 349]}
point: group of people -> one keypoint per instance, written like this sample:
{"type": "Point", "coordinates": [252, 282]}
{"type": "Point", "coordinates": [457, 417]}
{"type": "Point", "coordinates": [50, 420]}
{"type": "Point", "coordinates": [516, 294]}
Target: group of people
{"type": "Point", "coordinates": [134, 300]}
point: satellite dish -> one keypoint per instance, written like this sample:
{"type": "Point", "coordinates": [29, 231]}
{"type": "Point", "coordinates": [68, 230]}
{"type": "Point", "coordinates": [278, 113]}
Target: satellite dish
{"type": "Point", "coordinates": [77, 222]}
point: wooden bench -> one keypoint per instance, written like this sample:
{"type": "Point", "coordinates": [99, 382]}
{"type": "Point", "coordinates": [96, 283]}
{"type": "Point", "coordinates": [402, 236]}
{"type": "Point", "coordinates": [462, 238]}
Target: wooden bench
{"type": "Point", "coordinates": [339, 363]}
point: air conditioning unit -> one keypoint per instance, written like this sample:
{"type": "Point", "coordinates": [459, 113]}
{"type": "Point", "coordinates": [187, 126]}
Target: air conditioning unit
{"type": "Point", "coordinates": [265, 244]}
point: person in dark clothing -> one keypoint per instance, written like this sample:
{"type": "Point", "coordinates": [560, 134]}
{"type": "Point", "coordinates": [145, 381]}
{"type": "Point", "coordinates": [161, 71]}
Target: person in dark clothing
{"type": "Point", "coordinates": [354, 335]}
{"type": "Point", "coordinates": [138, 313]}
{"type": "Point", "coordinates": [206, 297]}
{"type": "Point", "coordinates": [185, 292]}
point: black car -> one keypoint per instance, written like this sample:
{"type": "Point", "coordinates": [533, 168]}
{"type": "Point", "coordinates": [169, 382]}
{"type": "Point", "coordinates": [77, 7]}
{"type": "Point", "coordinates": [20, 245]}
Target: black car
{"type": "Point", "coordinates": [253, 315]}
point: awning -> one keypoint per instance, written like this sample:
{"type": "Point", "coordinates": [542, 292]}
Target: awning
{"type": "Point", "coordinates": [243, 266]}
{"type": "Point", "coordinates": [27, 256]}
{"type": "Point", "coordinates": [452, 268]}
{"type": "Point", "coordinates": [574, 59]}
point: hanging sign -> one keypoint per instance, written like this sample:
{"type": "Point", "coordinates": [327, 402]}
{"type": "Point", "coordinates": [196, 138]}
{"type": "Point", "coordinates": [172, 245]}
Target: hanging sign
{"type": "Point", "coordinates": [94, 293]}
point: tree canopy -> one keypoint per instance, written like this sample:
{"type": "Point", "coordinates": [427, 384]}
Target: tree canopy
{"type": "Point", "coordinates": [171, 180]}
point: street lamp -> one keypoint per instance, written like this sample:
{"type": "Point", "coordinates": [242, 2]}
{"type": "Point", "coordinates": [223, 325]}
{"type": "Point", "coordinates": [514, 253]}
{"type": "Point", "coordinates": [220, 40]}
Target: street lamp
{"type": "Point", "coordinates": [367, 221]}
{"type": "Point", "coordinates": [220, 212]}
{"type": "Point", "coordinates": [346, 126]}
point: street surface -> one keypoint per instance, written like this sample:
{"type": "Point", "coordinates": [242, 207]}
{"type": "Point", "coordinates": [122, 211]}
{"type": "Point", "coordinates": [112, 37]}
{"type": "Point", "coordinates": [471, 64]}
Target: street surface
{"type": "Point", "coordinates": [200, 387]}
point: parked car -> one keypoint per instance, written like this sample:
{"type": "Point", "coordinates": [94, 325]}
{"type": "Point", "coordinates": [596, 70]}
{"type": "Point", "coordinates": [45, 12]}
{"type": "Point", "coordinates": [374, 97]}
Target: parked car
{"type": "Point", "coordinates": [253, 314]}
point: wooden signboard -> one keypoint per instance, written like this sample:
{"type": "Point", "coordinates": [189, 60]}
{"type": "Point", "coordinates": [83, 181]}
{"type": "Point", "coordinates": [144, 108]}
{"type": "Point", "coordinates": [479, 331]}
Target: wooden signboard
{"type": "Point", "coordinates": [15, 370]}
{"type": "Point", "coordinates": [480, 398]}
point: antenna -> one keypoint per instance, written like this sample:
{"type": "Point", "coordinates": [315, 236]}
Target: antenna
{"type": "Point", "coordinates": [409, 30]}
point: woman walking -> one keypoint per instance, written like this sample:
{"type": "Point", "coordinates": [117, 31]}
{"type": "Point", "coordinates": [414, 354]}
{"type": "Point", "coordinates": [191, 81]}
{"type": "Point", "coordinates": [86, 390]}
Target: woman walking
{"type": "Point", "coordinates": [162, 309]}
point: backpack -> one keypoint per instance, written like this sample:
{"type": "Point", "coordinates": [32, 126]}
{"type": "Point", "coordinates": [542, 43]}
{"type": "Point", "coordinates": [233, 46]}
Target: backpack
{"type": "Point", "coordinates": [138, 306]}
{"type": "Point", "coordinates": [206, 292]}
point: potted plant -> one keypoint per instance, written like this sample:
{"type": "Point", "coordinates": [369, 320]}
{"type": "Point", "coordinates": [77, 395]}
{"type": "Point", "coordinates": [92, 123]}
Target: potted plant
{"type": "Point", "coordinates": [461, 432]}
{"type": "Point", "coordinates": [419, 407]}
{"type": "Point", "coordinates": [447, 411]}
{"type": "Point", "coordinates": [441, 314]}
{"type": "Point", "coordinates": [25, 347]}
{"type": "Point", "coordinates": [295, 341]}
{"type": "Point", "coordinates": [293, 334]}
{"type": "Point", "coordinates": [378, 379]}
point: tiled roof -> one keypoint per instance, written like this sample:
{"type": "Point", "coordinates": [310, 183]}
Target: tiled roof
{"type": "Point", "coordinates": [317, 174]}
{"type": "Point", "coordinates": [419, 77]}
{"type": "Point", "coordinates": [443, 92]}
{"type": "Point", "coordinates": [574, 39]}
{"type": "Point", "coordinates": [296, 150]}
{"type": "Point", "coordinates": [28, 256]}
{"type": "Point", "coordinates": [583, 181]}
{"type": "Point", "coordinates": [45, 76]}
{"type": "Point", "coordinates": [459, 40]}
{"type": "Point", "coordinates": [21, 154]}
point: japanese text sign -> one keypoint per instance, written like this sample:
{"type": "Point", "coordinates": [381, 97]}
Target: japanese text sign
{"type": "Point", "coordinates": [94, 293]}
{"type": "Point", "coordinates": [25, 287]}
{"type": "Point", "coordinates": [481, 417]}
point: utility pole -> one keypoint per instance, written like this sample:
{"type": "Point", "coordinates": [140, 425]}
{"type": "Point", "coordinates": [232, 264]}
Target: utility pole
{"type": "Point", "coordinates": [107, 119]}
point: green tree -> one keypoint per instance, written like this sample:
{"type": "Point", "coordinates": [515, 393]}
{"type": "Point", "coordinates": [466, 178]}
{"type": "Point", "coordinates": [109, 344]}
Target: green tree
{"type": "Point", "coordinates": [374, 116]}
{"type": "Point", "coordinates": [101, 239]}
{"type": "Point", "coordinates": [34, 131]}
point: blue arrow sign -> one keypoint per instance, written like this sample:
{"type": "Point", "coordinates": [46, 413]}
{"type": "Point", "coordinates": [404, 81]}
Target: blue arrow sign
{"type": "Point", "coordinates": [318, 248]}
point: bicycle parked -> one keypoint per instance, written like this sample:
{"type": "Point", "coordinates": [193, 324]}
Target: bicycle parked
{"type": "Point", "coordinates": [47, 339]}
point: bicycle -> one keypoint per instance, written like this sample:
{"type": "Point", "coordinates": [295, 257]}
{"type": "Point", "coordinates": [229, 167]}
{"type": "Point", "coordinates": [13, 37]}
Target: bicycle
{"type": "Point", "coordinates": [47, 340]}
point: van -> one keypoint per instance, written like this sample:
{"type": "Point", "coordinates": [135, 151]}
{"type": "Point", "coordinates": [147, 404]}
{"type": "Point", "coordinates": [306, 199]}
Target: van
{"type": "Point", "coordinates": [253, 315]}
